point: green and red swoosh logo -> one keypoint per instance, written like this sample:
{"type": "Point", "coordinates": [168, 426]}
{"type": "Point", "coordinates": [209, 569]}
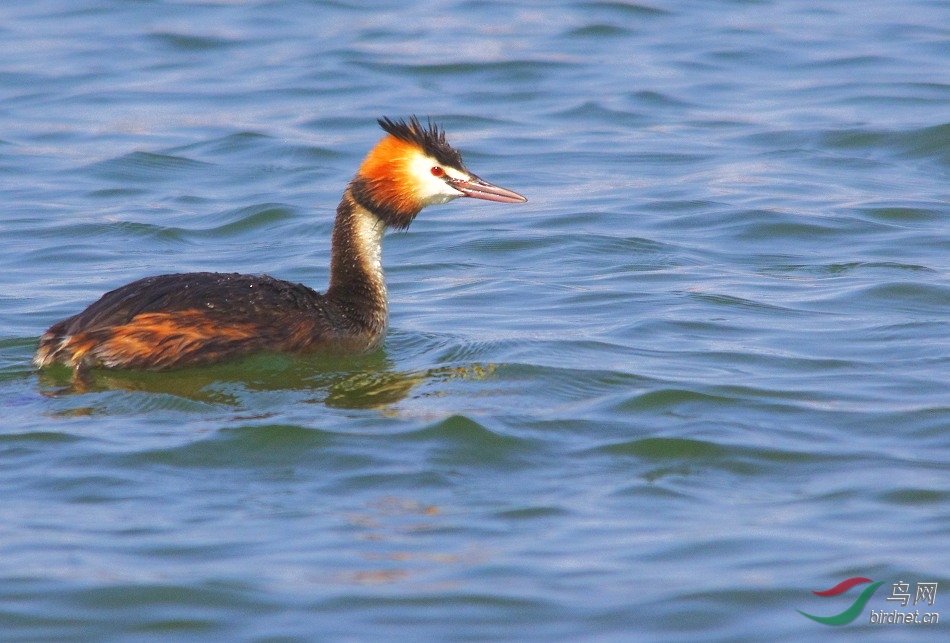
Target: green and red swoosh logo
{"type": "Point", "coordinates": [852, 612]}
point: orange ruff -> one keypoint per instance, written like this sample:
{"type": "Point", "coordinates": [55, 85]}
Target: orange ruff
{"type": "Point", "coordinates": [157, 340]}
{"type": "Point", "coordinates": [386, 168]}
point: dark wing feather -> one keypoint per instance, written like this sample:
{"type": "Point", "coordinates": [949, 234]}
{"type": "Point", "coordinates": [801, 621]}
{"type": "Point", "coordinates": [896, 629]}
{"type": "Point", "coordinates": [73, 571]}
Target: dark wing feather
{"type": "Point", "coordinates": [170, 320]}
{"type": "Point", "coordinates": [230, 295]}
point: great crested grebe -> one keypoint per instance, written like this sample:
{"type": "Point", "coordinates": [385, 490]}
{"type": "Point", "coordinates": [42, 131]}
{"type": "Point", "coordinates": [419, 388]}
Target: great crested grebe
{"type": "Point", "coordinates": [199, 318]}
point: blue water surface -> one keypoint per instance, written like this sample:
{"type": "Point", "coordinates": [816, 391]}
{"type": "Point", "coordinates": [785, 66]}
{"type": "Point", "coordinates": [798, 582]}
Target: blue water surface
{"type": "Point", "coordinates": [702, 373]}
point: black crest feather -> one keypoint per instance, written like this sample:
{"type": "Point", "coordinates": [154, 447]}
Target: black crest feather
{"type": "Point", "coordinates": [430, 139]}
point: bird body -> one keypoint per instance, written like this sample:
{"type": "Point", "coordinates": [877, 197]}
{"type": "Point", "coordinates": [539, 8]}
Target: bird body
{"type": "Point", "coordinates": [201, 318]}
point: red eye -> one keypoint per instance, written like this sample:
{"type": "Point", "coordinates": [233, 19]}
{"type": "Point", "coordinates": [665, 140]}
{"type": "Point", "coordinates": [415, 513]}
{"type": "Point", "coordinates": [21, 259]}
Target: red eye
{"type": "Point", "coordinates": [437, 171]}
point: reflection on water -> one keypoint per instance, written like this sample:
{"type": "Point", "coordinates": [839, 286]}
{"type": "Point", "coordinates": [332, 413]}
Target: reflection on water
{"type": "Point", "coordinates": [390, 522]}
{"type": "Point", "coordinates": [363, 382]}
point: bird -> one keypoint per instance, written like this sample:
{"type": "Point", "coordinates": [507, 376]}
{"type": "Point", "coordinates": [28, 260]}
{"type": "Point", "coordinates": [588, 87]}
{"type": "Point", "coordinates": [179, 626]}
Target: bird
{"type": "Point", "coordinates": [177, 320]}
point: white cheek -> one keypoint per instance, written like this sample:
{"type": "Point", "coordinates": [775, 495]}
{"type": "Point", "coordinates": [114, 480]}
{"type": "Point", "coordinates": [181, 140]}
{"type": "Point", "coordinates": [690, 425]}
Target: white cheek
{"type": "Point", "coordinates": [433, 190]}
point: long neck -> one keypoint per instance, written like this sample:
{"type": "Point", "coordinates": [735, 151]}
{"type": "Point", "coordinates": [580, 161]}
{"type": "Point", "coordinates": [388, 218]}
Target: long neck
{"type": "Point", "coordinates": [357, 283]}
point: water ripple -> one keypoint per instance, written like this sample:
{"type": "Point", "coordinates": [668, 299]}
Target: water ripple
{"type": "Point", "coordinates": [138, 167]}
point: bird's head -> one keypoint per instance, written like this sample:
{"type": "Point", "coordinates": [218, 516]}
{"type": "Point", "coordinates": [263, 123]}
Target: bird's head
{"type": "Point", "coordinates": [414, 166]}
